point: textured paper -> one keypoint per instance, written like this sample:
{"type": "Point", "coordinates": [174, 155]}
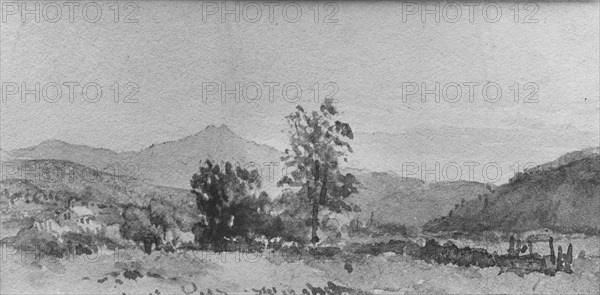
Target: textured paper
{"type": "Point", "coordinates": [178, 79]}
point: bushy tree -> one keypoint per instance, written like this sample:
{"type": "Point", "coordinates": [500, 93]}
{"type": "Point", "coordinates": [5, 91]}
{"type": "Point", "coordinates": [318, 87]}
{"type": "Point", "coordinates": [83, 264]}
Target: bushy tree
{"type": "Point", "coordinates": [252, 218]}
{"type": "Point", "coordinates": [317, 142]}
{"type": "Point", "coordinates": [221, 194]}
{"type": "Point", "coordinates": [139, 228]}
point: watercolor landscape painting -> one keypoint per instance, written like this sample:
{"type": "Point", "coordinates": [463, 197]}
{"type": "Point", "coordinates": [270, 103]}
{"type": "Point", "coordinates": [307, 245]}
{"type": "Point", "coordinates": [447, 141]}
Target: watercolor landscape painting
{"type": "Point", "coordinates": [182, 147]}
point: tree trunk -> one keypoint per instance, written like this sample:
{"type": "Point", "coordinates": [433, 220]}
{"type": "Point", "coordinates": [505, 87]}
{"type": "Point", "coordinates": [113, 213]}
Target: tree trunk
{"type": "Point", "coordinates": [552, 256]}
{"type": "Point", "coordinates": [315, 221]}
{"type": "Point", "coordinates": [323, 193]}
{"type": "Point", "coordinates": [316, 202]}
{"type": "Point", "coordinates": [315, 206]}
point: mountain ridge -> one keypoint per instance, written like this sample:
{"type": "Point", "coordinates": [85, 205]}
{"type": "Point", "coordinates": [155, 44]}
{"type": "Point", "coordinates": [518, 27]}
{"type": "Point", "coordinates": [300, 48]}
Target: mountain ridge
{"type": "Point", "coordinates": [170, 163]}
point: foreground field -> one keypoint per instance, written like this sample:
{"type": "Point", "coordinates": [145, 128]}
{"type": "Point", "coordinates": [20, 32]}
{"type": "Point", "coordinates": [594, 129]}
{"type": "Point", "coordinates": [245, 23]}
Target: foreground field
{"type": "Point", "coordinates": [194, 272]}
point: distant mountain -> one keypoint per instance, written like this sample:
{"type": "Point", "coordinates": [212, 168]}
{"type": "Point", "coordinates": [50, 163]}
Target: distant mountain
{"type": "Point", "coordinates": [60, 150]}
{"type": "Point", "coordinates": [408, 201]}
{"type": "Point", "coordinates": [563, 195]}
{"type": "Point", "coordinates": [170, 163]}
{"type": "Point", "coordinates": [423, 147]}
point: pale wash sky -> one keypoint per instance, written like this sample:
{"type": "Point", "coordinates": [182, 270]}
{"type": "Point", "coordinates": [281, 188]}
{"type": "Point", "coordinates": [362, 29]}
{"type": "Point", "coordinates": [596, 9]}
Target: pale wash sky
{"type": "Point", "coordinates": [170, 52]}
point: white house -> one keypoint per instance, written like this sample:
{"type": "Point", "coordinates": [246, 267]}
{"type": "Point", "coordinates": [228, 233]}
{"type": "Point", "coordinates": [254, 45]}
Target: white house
{"type": "Point", "coordinates": [83, 214]}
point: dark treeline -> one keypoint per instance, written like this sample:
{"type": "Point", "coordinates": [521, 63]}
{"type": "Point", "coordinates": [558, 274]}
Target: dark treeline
{"type": "Point", "coordinates": [511, 262]}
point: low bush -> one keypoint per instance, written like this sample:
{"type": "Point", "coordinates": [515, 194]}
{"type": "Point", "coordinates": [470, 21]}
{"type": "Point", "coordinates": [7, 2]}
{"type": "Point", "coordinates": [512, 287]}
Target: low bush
{"type": "Point", "coordinates": [40, 243]}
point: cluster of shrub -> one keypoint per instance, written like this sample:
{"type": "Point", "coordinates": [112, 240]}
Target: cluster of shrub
{"type": "Point", "coordinates": [511, 262]}
{"type": "Point", "coordinates": [44, 244]}
{"type": "Point", "coordinates": [147, 225]}
{"type": "Point", "coordinates": [375, 229]}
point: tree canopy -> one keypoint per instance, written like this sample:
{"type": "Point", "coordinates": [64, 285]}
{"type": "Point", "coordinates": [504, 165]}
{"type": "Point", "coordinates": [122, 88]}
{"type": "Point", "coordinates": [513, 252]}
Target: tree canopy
{"type": "Point", "coordinates": [318, 140]}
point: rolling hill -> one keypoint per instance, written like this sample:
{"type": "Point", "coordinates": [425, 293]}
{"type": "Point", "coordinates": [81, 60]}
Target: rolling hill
{"type": "Point", "coordinates": [162, 166]}
{"type": "Point", "coordinates": [59, 175]}
{"type": "Point", "coordinates": [543, 196]}
{"type": "Point", "coordinates": [563, 195]}
{"type": "Point", "coordinates": [567, 158]}
{"type": "Point", "coordinates": [409, 201]}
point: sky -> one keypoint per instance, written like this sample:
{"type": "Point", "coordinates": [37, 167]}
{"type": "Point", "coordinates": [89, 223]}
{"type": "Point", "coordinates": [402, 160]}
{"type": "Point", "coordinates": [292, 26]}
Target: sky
{"type": "Point", "coordinates": [368, 56]}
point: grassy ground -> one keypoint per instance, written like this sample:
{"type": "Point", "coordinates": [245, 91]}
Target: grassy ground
{"type": "Point", "coordinates": [235, 273]}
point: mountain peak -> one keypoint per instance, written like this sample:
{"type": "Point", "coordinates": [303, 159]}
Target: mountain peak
{"type": "Point", "coordinates": [222, 127]}
{"type": "Point", "coordinates": [214, 130]}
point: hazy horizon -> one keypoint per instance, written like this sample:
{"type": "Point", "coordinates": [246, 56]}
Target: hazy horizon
{"type": "Point", "coordinates": [385, 152]}
{"type": "Point", "coordinates": [170, 52]}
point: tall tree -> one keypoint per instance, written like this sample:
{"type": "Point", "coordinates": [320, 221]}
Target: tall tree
{"type": "Point", "coordinates": [317, 142]}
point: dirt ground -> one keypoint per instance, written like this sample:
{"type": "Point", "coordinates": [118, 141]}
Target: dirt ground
{"type": "Point", "coordinates": [194, 272]}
